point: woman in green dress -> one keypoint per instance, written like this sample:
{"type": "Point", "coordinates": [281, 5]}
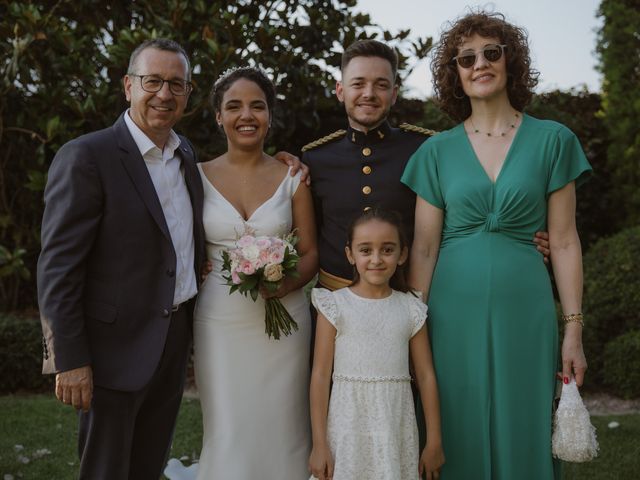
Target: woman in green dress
{"type": "Point", "coordinates": [484, 187]}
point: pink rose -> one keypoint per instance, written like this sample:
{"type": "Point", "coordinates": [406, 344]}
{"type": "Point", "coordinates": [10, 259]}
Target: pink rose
{"type": "Point", "coordinates": [263, 258]}
{"type": "Point", "coordinates": [263, 243]}
{"type": "Point", "coordinates": [235, 278]}
{"type": "Point", "coordinates": [247, 267]}
{"type": "Point", "coordinates": [245, 241]}
{"type": "Point", "coordinates": [276, 255]}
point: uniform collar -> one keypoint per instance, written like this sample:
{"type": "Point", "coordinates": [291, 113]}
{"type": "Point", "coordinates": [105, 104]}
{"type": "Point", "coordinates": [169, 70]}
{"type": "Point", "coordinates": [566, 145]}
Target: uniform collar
{"type": "Point", "coordinates": [372, 137]}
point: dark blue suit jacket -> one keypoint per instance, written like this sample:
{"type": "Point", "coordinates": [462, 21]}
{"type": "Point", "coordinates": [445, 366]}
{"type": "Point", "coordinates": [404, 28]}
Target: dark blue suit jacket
{"type": "Point", "coordinates": [106, 273]}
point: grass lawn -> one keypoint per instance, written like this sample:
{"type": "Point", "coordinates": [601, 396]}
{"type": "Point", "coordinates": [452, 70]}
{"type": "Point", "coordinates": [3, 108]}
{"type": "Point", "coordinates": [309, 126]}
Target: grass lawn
{"type": "Point", "coordinates": [46, 430]}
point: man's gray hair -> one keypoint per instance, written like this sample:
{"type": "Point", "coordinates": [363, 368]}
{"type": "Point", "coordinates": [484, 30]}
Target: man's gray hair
{"type": "Point", "coordinates": [159, 44]}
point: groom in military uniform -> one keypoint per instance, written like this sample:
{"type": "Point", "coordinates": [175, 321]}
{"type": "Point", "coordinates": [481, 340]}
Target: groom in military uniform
{"type": "Point", "coordinates": [355, 169]}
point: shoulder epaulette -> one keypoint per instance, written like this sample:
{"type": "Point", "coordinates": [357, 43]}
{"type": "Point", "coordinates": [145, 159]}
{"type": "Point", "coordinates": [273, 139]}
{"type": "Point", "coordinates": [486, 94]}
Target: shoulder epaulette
{"type": "Point", "coordinates": [321, 141]}
{"type": "Point", "coordinates": [407, 127]}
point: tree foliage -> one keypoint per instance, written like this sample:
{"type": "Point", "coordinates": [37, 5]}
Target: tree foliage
{"type": "Point", "coordinates": [61, 65]}
{"type": "Point", "coordinates": [619, 51]}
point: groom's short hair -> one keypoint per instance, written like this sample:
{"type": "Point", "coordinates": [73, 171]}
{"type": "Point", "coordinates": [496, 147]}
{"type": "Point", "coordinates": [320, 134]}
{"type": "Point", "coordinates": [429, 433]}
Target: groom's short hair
{"type": "Point", "coordinates": [370, 48]}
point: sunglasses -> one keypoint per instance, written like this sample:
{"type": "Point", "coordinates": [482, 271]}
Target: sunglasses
{"type": "Point", "coordinates": [492, 53]}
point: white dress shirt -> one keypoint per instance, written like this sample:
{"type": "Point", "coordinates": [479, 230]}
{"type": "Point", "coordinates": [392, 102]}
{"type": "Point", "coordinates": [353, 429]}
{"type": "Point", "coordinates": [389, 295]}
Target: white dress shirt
{"type": "Point", "coordinates": [165, 169]}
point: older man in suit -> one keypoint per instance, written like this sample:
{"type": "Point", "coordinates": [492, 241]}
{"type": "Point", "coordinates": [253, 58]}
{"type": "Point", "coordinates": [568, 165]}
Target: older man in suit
{"type": "Point", "coordinates": [122, 243]}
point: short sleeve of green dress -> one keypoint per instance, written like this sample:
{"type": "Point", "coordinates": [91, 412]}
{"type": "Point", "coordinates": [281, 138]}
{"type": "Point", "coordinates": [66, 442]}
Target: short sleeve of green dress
{"type": "Point", "coordinates": [569, 163]}
{"type": "Point", "coordinates": [492, 315]}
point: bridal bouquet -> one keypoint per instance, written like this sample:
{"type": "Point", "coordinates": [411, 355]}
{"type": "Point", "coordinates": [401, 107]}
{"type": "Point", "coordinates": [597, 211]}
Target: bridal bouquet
{"type": "Point", "coordinates": [257, 262]}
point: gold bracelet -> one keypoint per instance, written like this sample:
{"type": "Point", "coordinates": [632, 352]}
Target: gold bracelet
{"type": "Point", "coordinates": [573, 317]}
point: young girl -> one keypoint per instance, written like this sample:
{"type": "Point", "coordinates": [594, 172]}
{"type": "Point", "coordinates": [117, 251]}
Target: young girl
{"type": "Point", "coordinates": [365, 333]}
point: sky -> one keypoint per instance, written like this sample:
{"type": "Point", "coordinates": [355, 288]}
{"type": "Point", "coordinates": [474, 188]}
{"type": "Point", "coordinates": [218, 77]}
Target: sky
{"type": "Point", "coordinates": [562, 35]}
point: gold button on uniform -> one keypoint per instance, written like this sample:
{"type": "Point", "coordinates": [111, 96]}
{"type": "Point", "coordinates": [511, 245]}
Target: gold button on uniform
{"type": "Point", "coordinates": [366, 169]}
{"type": "Point", "coordinates": [366, 190]}
{"type": "Point", "coordinates": [366, 151]}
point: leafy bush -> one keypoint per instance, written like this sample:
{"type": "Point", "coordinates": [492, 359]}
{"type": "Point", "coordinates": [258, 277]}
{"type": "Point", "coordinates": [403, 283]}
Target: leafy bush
{"type": "Point", "coordinates": [622, 364]}
{"type": "Point", "coordinates": [611, 296]}
{"type": "Point", "coordinates": [21, 355]}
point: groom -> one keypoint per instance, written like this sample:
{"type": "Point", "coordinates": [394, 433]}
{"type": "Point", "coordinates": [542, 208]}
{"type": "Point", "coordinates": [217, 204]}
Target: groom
{"type": "Point", "coordinates": [122, 241]}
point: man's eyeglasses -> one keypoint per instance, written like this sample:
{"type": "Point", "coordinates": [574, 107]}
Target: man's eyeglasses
{"type": "Point", "coordinates": [153, 84]}
{"type": "Point", "coordinates": [492, 53]}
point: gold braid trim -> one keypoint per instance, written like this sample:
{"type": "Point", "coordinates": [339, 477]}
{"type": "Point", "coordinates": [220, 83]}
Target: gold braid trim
{"type": "Point", "coordinates": [323, 140]}
{"type": "Point", "coordinates": [414, 128]}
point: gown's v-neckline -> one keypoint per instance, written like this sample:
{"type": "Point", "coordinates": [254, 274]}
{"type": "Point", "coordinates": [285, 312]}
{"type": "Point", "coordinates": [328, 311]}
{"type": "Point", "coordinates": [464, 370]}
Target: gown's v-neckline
{"type": "Point", "coordinates": [506, 158]}
{"type": "Point", "coordinates": [233, 207]}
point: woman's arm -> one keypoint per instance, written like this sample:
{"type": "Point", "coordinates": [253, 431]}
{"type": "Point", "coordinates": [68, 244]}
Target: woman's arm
{"type": "Point", "coordinates": [432, 458]}
{"type": "Point", "coordinates": [320, 461]}
{"type": "Point", "coordinates": [305, 226]}
{"type": "Point", "coordinates": [426, 243]}
{"type": "Point", "coordinates": [566, 259]}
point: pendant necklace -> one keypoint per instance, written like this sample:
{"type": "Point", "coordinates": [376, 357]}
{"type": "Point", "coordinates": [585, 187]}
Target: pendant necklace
{"type": "Point", "coordinates": [500, 134]}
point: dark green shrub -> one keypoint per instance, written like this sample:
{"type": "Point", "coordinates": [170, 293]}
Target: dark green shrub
{"type": "Point", "coordinates": [611, 296]}
{"type": "Point", "coordinates": [21, 355]}
{"type": "Point", "coordinates": [622, 364]}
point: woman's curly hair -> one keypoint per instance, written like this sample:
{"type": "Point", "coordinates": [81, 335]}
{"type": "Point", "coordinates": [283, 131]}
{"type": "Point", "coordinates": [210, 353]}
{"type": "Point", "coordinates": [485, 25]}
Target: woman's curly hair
{"type": "Point", "coordinates": [521, 77]}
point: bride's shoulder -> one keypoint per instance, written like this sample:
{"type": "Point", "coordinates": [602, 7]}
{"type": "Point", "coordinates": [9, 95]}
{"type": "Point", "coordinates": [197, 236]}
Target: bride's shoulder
{"type": "Point", "coordinates": [211, 166]}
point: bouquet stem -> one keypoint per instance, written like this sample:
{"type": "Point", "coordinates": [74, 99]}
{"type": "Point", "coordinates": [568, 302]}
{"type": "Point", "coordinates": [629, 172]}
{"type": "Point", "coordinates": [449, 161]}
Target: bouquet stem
{"type": "Point", "coordinates": [277, 319]}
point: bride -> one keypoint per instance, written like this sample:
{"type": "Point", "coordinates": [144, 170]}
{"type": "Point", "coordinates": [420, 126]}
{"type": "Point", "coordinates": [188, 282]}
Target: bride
{"type": "Point", "coordinates": [253, 389]}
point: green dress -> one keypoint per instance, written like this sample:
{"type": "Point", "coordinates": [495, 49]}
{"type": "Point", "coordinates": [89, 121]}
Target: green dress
{"type": "Point", "coordinates": [492, 317]}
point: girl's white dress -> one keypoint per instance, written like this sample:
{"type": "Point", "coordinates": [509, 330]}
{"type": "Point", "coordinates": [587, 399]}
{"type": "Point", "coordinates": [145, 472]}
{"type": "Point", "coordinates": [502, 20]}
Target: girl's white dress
{"type": "Point", "coordinates": [371, 423]}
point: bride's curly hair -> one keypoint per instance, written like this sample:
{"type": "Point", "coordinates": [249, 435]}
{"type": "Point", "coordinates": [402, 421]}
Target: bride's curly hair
{"type": "Point", "coordinates": [521, 77]}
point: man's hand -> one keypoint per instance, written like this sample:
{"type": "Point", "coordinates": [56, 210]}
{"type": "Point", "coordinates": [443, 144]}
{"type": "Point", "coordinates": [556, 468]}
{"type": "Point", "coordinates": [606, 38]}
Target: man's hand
{"type": "Point", "coordinates": [542, 245]}
{"type": "Point", "coordinates": [75, 387]}
{"type": "Point", "coordinates": [296, 164]}
{"type": "Point", "coordinates": [206, 269]}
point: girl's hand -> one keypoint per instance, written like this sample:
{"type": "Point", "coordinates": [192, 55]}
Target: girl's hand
{"type": "Point", "coordinates": [431, 461]}
{"type": "Point", "coordinates": [573, 360]}
{"type": "Point", "coordinates": [321, 463]}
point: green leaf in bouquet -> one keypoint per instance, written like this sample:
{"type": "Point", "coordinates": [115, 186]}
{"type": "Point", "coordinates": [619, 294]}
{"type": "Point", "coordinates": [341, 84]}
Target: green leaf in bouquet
{"type": "Point", "coordinates": [250, 281]}
{"type": "Point", "coordinates": [254, 294]}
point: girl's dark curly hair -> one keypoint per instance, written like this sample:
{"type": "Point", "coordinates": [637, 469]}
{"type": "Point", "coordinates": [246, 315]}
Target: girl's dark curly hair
{"type": "Point", "coordinates": [521, 77]}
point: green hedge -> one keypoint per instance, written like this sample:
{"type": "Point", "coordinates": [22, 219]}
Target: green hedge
{"type": "Point", "coordinates": [611, 298]}
{"type": "Point", "coordinates": [622, 365]}
{"type": "Point", "coordinates": [21, 355]}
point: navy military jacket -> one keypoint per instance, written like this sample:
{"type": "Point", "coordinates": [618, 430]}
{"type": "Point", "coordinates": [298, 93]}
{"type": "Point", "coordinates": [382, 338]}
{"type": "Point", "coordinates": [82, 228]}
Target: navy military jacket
{"type": "Point", "coordinates": [355, 171]}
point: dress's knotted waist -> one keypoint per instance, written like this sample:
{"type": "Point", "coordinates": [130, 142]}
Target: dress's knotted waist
{"type": "Point", "coordinates": [492, 223]}
{"type": "Point", "coordinates": [358, 378]}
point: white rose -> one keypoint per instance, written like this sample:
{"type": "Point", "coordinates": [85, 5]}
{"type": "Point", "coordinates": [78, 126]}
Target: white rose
{"type": "Point", "coordinates": [251, 253]}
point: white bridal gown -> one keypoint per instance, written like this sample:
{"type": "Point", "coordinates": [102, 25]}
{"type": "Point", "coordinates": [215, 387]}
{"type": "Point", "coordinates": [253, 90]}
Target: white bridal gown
{"type": "Point", "coordinates": [253, 389]}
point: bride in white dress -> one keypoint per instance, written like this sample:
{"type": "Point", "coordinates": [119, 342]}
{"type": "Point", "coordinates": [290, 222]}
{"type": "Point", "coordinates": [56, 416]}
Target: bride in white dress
{"type": "Point", "coordinates": [253, 389]}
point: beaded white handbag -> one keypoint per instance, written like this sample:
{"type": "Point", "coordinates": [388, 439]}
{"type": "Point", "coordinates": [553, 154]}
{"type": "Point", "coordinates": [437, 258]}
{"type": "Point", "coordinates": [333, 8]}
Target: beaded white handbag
{"type": "Point", "coordinates": [574, 438]}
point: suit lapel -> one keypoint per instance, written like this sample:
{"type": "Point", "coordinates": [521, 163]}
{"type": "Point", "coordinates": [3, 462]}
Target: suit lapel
{"type": "Point", "coordinates": [196, 194]}
{"type": "Point", "coordinates": [137, 170]}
